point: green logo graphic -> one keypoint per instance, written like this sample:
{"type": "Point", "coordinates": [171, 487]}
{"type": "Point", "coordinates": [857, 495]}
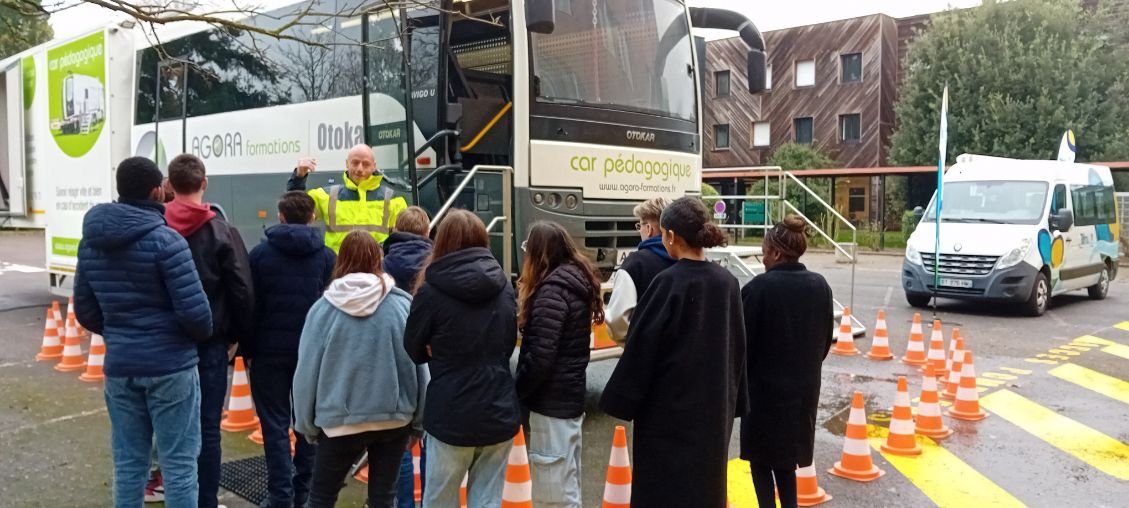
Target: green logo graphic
{"type": "Point", "coordinates": [64, 246]}
{"type": "Point", "coordinates": [28, 64]}
{"type": "Point", "coordinates": [76, 78]}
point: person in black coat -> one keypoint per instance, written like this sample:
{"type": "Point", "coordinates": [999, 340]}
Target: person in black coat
{"type": "Point", "coordinates": [290, 268]}
{"type": "Point", "coordinates": [221, 260]}
{"type": "Point", "coordinates": [559, 299]}
{"type": "Point", "coordinates": [788, 326]}
{"type": "Point", "coordinates": [463, 324]}
{"type": "Point", "coordinates": [681, 378]}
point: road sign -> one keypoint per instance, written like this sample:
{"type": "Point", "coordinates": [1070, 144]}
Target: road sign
{"type": "Point", "coordinates": [754, 212]}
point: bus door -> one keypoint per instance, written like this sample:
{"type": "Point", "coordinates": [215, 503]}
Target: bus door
{"type": "Point", "coordinates": [170, 133]}
{"type": "Point", "coordinates": [13, 190]}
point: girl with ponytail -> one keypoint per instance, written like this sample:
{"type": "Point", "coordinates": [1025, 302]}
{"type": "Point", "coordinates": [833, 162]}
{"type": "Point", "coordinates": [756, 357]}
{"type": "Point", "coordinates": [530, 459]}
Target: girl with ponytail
{"type": "Point", "coordinates": [788, 325]}
{"type": "Point", "coordinates": [681, 378]}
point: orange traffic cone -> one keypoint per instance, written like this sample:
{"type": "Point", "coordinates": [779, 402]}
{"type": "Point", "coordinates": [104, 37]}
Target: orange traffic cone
{"type": "Point", "coordinates": [856, 463]}
{"type": "Point", "coordinates": [416, 474]}
{"type": "Point", "coordinates": [362, 473]}
{"type": "Point", "coordinates": [846, 344]}
{"type": "Point", "coordinates": [928, 419]}
{"type": "Point", "coordinates": [240, 411]}
{"type": "Point", "coordinates": [949, 357]}
{"type": "Point", "coordinates": [52, 348]}
{"type": "Point", "coordinates": [880, 346]}
{"type": "Point", "coordinates": [956, 359]}
{"type": "Point", "coordinates": [518, 489]}
{"type": "Point", "coordinates": [95, 360]}
{"type": "Point", "coordinates": [617, 490]}
{"type": "Point", "coordinates": [60, 319]}
{"type": "Point", "coordinates": [915, 351]}
{"type": "Point", "coordinates": [901, 440]}
{"type": "Point", "coordinates": [462, 492]}
{"type": "Point", "coordinates": [936, 356]}
{"type": "Point", "coordinates": [72, 349]}
{"type": "Point", "coordinates": [967, 403]}
{"type": "Point", "coordinates": [808, 491]}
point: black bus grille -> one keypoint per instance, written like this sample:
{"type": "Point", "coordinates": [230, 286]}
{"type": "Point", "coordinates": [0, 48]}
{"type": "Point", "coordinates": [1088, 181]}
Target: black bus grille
{"type": "Point", "coordinates": [611, 233]}
{"type": "Point", "coordinates": [960, 264]}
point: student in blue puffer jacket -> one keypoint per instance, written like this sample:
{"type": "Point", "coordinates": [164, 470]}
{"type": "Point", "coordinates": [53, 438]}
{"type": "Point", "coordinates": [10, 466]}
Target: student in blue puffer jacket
{"type": "Point", "coordinates": [136, 285]}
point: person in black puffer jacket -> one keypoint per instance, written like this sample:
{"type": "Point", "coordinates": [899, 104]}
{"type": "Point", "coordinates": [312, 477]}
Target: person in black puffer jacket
{"type": "Point", "coordinates": [559, 299]}
{"type": "Point", "coordinates": [290, 269]}
{"type": "Point", "coordinates": [408, 248]}
{"type": "Point", "coordinates": [463, 323]}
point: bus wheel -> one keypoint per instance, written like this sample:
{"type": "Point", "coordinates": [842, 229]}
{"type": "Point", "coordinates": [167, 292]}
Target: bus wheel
{"type": "Point", "coordinates": [1040, 297]}
{"type": "Point", "coordinates": [1101, 289]}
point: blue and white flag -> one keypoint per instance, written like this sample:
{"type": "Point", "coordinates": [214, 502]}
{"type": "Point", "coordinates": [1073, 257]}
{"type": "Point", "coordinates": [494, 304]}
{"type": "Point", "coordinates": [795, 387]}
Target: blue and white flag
{"type": "Point", "coordinates": [941, 148]}
{"type": "Point", "coordinates": [1067, 149]}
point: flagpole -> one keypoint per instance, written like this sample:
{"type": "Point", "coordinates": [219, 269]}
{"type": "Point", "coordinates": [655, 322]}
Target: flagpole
{"type": "Point", "coordinates": [944, 135]}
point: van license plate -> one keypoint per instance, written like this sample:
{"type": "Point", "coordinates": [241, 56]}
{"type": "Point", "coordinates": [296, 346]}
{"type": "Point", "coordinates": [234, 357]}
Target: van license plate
{"type": "Point", "coordinates": [956, 283]}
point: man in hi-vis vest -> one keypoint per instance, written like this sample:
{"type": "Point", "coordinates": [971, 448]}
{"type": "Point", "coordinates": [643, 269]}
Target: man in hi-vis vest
{"type": "Point", "coordinates": [358, 203]}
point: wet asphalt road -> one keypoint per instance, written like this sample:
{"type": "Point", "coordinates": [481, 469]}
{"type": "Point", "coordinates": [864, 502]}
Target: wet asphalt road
{"type": "Point", "coordinates": [54, 432]}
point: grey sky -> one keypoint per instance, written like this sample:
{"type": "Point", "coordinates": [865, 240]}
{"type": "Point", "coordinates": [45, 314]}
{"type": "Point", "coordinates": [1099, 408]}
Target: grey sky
{"type": "Point", "coordinates": [766, 15]}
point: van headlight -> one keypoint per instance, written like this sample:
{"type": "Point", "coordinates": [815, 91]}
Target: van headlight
{"type": "Point", "coordinates": [912, 255]}
{"type": "Point", "coordinates": [1015, 256]}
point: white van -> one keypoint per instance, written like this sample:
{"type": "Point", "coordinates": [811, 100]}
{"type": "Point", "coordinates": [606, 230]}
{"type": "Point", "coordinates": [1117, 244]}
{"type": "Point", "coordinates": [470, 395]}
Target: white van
{"type": "Point", "coordinates": [1016, 231]}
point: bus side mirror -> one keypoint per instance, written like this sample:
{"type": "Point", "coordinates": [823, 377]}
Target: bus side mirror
{"type": "Point", "coordinates": [1062, 221]}
{"type": "Point", "coordinates": [756, 70]}
{"type": "Point", "coordinates": [918, 213]}
{"type": "Point", "coordinates": [540, 16]}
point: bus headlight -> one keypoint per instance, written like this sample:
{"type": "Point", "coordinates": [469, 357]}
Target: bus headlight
{"type": "Point", "coordinates": [912, 255]}
{"type": "Point", "coordinates": [554, 200]}
{"type": "Point", "coordinates": [1015, 256]}
{"type": "Point", "coordinates": [538, 198]}
{"type": "Point", "coordinates": [571, 201]}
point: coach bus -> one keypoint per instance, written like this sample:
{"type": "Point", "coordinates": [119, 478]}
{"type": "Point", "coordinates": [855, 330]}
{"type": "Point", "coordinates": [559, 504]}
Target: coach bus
{"type": "Point", "coordinates": [568, 110]}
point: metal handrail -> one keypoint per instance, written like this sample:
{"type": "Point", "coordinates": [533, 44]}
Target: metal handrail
{"type": "Point", "coordinates": [495, 220]}
{"type": "Point", "coordinates": [853, 257]}
{"type": "Point", "coordinates": [817, 198]}
{"type": "Point", "coordinates": [507, 173]}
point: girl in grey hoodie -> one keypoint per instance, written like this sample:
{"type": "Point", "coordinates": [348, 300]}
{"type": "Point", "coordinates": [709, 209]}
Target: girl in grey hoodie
{"type": "Point", "coordinates": [355, 388]}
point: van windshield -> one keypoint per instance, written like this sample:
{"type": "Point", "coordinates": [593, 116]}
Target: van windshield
{"type": "Point", "coordinates": [991, 202]}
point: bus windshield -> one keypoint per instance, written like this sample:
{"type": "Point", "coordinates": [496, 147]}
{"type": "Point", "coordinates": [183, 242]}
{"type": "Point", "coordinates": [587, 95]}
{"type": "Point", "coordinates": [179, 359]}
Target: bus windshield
{"type": "Point", "coordinates": [992, 202]}
{"type": "Point", "coordinates": [634, 55]}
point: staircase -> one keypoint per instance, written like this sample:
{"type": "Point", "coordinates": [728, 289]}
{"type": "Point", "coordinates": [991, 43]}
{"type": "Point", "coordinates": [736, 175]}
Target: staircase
{"type": "Point", "coordinates": [744, 262]}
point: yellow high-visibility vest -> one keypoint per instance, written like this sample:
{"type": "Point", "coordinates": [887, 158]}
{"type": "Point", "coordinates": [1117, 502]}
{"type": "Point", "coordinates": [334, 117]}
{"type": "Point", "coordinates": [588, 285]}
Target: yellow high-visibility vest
{"type": "Point", "coordinates": [347, 207]}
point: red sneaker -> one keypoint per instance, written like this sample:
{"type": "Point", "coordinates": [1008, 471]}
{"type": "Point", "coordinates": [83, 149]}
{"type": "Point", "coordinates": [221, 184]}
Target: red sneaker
{"type": "Point", "coordinates": [155, 489]}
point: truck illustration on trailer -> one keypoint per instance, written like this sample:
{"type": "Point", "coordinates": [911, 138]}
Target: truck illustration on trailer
{"type": "Point", "coordinates": [83, 105]}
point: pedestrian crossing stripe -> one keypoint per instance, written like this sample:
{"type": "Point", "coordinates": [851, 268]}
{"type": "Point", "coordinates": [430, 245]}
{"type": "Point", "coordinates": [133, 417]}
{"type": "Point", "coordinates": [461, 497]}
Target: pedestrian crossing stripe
{"type": "Point", "coordinates": [1097, 341]}
{"type": "Point", "coordinates": [1124, 325]}
{"type": "Point", "coordinates": [943, 477]}
{"type": "Point", "coordinates": [1093, 380]}
{"type": "Point", "coordinates": [1117, 350]}
{"type": "Point", "coordinates": [1088, 445]}
{"type": "Point", "coordinates": [739, 480]}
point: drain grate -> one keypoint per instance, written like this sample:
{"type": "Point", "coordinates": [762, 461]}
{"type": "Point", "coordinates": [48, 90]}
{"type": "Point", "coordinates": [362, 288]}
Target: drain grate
{"type": "Point", "coordinates": [246, 478]}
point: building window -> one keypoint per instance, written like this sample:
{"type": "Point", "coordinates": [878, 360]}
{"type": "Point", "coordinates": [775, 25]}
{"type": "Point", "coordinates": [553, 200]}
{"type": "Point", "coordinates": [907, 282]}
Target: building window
{"type": "Point", "coordinates": [803, 127]}
{"type": "Point", "coordinates": [721, 136]}
{"type": "Point", "coordinates": [856, 199]}
{"type": "Point", "coordinates": [721, 83]}
{"type": "Point", "coordinates": [852, 67]}
{"type": "Point", "coordinates": [760, 134]}
{"type": "Point", "coordinates": [849, 128]}
{"type": "Point", "coordinates": [805, 73]}
{"type": "Point", "coordinates": [768, 77]}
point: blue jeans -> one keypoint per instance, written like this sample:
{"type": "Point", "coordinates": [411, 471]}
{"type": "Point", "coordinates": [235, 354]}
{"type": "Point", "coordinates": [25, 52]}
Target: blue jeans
{"type": "Point", "coordinates": [168, 406]}
{"type": "Point", "coordinates": [554, 460]}
{"type": "Point", "coordinates": [213, 388]}
{"type": "Point", "coordinates": [288, 478]}
{"type": "Point", "coordinates": [485, 467]}
{"type": "Point", "coordinates": [405, 492]}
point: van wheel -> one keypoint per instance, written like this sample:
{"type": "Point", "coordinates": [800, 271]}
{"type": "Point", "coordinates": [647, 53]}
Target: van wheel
{"type": "Point", "coordinates": [919, 301]}
{"type": "Point", "coordinates": [1101, 289]}
{"type": "Point", "coordinates": [1040, 298]}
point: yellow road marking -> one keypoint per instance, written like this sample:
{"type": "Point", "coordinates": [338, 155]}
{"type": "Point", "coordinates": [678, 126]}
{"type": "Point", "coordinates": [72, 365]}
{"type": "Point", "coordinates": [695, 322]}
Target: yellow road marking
{"type": "Point", "coordinates": [1099, 450]}
{"type": "Point", "coordinates": [942, 476]}
{"type": "Point", "coordinates": [1106, 385]}
{"type": "Point", "coordinates": [1094, 340]}
{"type": "Point", "coordinates": [1124, 325]}
{"type": "Point", "coordinates": [1118, 350]}
{"type": "Point", "coordinates": [739, 482]}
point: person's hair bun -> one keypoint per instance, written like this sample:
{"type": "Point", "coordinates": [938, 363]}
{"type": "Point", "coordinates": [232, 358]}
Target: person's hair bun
{"type": "Point", "coordinates": [711, 236]}
{"type": "Point", "coordinates": [795, 224]}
